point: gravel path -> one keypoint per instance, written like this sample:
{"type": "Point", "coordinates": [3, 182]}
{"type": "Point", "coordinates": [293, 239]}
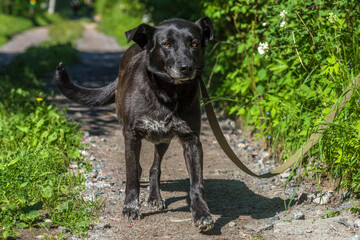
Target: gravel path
{"type": "Point", "coordinates": [19, 43]}
{"type": "Point", "coordinates": [244, 207]}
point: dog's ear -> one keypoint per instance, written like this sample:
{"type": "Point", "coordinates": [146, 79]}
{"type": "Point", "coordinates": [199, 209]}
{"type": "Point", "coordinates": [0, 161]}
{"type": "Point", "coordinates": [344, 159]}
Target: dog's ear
{"type": "Point", "coordinates": [207, 28]}
{"type": "Point", "coordinates": [142, 34]}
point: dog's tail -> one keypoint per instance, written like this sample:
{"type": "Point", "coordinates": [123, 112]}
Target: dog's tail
{"type": "Point", "coordinates": [86, 96]}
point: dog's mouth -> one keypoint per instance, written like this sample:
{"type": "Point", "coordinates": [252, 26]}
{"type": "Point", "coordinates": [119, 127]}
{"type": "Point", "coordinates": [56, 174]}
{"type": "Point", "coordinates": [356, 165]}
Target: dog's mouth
{"type": "Point", "coordinates": [180, 78]}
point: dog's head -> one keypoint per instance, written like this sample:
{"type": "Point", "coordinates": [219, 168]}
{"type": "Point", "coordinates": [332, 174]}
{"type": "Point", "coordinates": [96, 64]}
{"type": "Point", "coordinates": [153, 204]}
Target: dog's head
{"type": "Point", "coordinates": [175, 48]}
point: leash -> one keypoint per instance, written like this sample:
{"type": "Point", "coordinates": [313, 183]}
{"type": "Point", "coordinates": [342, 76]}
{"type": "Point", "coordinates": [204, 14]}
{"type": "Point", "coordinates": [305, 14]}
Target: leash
{"type": "Point", "coordinates": [314, 137]}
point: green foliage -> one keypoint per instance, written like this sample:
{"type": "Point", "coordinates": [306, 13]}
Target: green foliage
{"type": "Point", "coordinates": [160, 10]}
{"type": "Point", "coordinates": [20, 24]}
{"type": "Point", "coordinates": [36, 145]}
{"type": "Point", "coordinates": [119, 16]}
{"type": "Point", "coordinates": [311, 56]}
{"type": "Point", "coordinates": [22, 8]}
{"type": "Point", "coordinates": [66, 31]}
{"type": "Point", "coordinates": [17, 25]}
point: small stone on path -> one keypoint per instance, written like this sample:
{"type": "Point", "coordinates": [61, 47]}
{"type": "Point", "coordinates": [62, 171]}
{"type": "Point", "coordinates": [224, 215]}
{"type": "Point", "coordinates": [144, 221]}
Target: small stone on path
{"type": "Point", "coordinates": [322, 200]}
{"type": "Point", "coordinates": [231, 224]}
{"type": "Point", "coordinates": [357, 223]}
{"type": "Point", "coordinates": [298, 215]}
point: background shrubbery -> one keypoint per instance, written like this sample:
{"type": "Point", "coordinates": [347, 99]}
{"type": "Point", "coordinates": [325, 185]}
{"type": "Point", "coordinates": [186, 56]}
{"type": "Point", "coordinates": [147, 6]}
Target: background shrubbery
{"type": "Point", "coordinates": [312, 56]}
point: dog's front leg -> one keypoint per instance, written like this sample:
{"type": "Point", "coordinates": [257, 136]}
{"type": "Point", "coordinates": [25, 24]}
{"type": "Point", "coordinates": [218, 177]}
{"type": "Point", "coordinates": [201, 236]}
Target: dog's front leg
{"type": "Point", "coordinates": [194, 163]}
{"type": "Point", "coordinates": [155, 199]}
{"type": "Point", "coordinates": [131, 208]}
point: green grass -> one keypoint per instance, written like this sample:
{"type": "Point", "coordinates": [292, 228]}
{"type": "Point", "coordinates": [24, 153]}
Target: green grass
{"type": "Point", "coordinates": [66, 31]}
{"type": "Point", "coordinates": [17, 24]}
{"type": "Point", "coordinates": [116, 21]}
{"type": "Point", "coordinates": [37, 144]}
{"type": "Point", "coordinates": [20, 24]}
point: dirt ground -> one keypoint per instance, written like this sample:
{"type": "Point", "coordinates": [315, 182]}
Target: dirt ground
{"type": "Point", "coordinates": [243, 207]}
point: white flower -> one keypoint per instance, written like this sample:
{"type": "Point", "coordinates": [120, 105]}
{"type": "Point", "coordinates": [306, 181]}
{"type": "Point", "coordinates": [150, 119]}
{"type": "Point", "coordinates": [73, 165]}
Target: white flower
{"type": "Point", "coordinates": [283, 13]}
{"type": "Point", "coordinates": [264, 24]}
{"type": "Point", "coordinates": [263, 47]}
{"type": "Point", "coordinates": [332, 18]}
{"type": "Point", "coordinates": [283, 23]}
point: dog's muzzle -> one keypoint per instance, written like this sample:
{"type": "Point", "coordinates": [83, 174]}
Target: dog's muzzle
{"type": "Point", "coordinates": [182, 73]}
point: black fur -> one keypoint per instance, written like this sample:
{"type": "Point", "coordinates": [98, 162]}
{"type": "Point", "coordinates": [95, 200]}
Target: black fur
{"type": "Point", "coordinates": [157, 98]}
{"type": "Point", "coordinates": [86, 96]}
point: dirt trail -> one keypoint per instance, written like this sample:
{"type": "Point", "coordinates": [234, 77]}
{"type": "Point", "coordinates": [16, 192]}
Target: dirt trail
{"type": "Point", "coordinates": [19, 43]}
{"type": "Point", "coordinates": [243, 207]}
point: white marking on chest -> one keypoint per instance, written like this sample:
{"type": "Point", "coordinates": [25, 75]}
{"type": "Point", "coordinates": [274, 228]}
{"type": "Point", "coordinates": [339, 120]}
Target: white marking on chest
{"type": "Point", "coordinates": [150, 125]}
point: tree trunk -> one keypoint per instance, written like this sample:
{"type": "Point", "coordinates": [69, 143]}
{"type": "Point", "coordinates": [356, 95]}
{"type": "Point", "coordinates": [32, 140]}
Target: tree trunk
{"type": "Point", "coordinates": [51, 8]}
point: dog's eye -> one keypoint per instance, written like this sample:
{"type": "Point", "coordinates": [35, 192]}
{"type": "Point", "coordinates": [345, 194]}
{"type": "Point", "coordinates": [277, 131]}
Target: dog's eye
{"type": "Point", "coordinates": [195, 44]}
{"type": "Point", "coordinates": [167, 45]}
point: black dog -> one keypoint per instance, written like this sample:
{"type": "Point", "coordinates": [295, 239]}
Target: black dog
{"type": "Point", "coordinates": [157, 98]}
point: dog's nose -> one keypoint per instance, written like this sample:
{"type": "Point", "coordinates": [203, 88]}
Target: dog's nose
{"type": "Point", "coordinates": [185, 68]}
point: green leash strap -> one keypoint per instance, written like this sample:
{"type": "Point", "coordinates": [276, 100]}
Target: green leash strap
{"type": "Point", "coordinates": [214, 124]}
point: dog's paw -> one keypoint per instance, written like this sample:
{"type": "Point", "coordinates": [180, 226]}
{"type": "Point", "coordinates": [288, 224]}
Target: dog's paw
{"type": "Point", "coordinates": [132, 213]}
{"type": "Point", "coordinates": [156, 204]}
{"type": "Point", "coordinates": [204, 222]}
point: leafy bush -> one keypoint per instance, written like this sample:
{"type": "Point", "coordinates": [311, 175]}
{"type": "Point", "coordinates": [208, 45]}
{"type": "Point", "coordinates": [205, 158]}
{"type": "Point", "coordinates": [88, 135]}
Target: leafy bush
{"type": "Point", "coordinates": [310, 52]}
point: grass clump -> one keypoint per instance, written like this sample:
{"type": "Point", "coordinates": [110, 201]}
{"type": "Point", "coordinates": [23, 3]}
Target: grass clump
{"type": "Point", "coordinates": [36, 146]}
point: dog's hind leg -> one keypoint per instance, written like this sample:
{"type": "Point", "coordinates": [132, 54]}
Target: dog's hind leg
{"type": "Point", "coordinates": [131, 208]}
{"type": "Point", "coordinates": [155, 201]}
{"type": "Point", "coordinates": [193, 155]}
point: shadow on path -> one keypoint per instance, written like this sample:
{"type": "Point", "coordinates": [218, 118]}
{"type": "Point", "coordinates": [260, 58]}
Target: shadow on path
{"type": "Point", "coordinates": [94, 70]}
{"type": "Point", "coordinates": [225, 197]}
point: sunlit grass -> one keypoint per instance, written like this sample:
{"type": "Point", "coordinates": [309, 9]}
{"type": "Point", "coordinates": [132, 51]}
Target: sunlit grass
{"type": "Point", "coordinates": [37, 144]}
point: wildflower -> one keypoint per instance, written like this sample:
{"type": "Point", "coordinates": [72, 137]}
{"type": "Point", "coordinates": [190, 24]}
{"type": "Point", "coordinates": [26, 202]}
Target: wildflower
{"type": "Point", "coordinates": [39, 99]}
{"type": "Point", "coordinates": [332, 18]}
{"type": "Point", "coordinates": [358, 100]}
{"type": "Point", "coordinates": [269, 136]}
{"type": "Point", "coordinates": [350, 63]}
{"type": "Point", "coordinates": [267, 113]}
{"type": "Point", "coordinates": [283, 13]}
{"type": "Point", "coordinates": [283, 16]}
{"type": "Point", "coordinates": [264, 24]}
{"type": "Point", "coordinates": [263, 47]}
{"type": "Point", "coordinates": [349, 69]}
